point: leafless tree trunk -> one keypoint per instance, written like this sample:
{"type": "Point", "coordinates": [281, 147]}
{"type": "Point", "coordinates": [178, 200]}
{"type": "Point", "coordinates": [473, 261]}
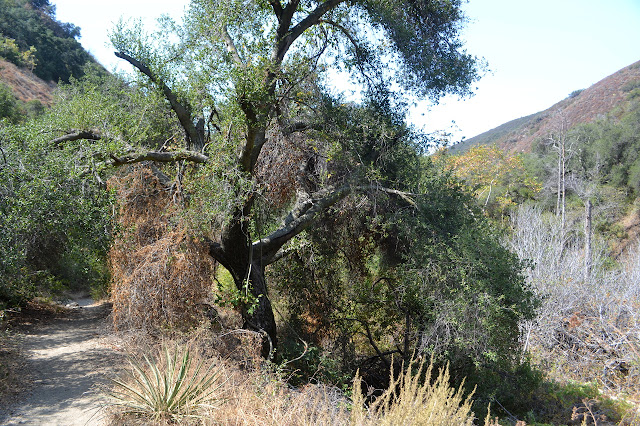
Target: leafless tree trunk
{"type": "Point", "coordinates": [563, 176]}
{"type": "Point", "coordinates": [587, 241]}
{"type": "Point", "coordinates": [559, 186]}
{"type": "Point", "coordinates": [558, 142]}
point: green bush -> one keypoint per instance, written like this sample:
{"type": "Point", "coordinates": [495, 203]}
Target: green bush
{"type": "Point", "coordinates": [9, 104]}
{"type": "Point", "coordinates": [54, 224]}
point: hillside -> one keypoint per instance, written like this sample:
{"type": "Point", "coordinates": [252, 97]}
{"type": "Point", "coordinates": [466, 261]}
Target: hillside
{"type": "Point", "coordinates": [32, 37]}
{"type": "Point", "coordinates": [597, 101]}
{"type": "Point", "coordinates": [25, 85]}
{"type": "Point", "coordinates": [36, 52]}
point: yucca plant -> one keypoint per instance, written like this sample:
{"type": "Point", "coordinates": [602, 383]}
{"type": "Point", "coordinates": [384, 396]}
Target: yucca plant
{"type": "Point", "coordinates": [167, 386]}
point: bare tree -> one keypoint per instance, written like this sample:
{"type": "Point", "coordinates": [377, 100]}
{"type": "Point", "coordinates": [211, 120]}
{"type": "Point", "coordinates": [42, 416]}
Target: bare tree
{"type": "Point", "coordinates": [563, 145]}
{"type": "Point", "coordinates": [589, 319]}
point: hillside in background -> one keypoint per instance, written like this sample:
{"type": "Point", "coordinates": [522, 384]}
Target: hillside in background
{"type": "Point", "coordinates": [36, 52]}
{"type": "Point", "coordinates": [25, 85]}
{"type": "Point", "coordinates": [32, 37]}
{"type": "Point", "coordinates": [607, 97]}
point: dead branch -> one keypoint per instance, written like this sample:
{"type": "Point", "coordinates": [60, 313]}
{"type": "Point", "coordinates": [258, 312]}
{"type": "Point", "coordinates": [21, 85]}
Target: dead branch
{"type": "Point", "coordinates": [160, 157]}
{"type": "Point", "coordinates": [77, 135]}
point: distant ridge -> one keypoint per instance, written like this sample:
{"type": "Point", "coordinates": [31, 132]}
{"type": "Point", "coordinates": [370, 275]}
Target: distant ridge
{"type": "Point", "coordinates": [601, 99]}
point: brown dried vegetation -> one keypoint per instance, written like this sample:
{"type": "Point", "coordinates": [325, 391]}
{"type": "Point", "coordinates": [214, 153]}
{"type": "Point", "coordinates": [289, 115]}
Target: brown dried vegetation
{"type": "Point", "coordinates": [278, 168]}
{"type": "Point", "coordinates": [25, 85]}
{"type": "Point", "coordinates": [160, 275]}
{"type": "Point", "coordinates": [257, 394]}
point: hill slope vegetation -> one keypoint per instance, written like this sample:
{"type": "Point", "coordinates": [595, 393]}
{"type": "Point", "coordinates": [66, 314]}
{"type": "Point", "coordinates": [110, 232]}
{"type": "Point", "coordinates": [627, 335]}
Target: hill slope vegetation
{"type": "Point", "coordinates": [582, 106]}
{"type": "Point", "coordinates": [31, 36]}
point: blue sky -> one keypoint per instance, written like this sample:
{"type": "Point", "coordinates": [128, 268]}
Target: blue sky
{"type": "Point", "coordinates": [538, 51]}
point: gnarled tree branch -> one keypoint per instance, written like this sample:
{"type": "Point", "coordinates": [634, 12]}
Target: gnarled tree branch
{"type": "Point", "coordinates": [288, 36]}
{"type": "Point", "coordinates": [194, 138]}
{"type": "Point", "coordinates": [160, 157]}
{"type": "Point", "coordinates": [277, 8]}
{"type": "Point", "coordinates": [77, 135]}
{"type": "Point", "coordinates": [298, 126]}
{"type": "Point", "coordinates": [302, 214]}
{"type": "Point", "coordinates": [306, 210]}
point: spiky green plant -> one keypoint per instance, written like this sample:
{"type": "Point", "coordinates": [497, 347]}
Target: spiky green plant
{"type": "Point", "coordinates": [168, 386]}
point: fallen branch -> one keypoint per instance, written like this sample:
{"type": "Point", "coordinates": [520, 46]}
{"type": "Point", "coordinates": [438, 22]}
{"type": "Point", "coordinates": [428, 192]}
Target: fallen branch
{"type": "Point", "coordinates": [160, 157]}
{"type": "Point", "coordinates": [77, 135]}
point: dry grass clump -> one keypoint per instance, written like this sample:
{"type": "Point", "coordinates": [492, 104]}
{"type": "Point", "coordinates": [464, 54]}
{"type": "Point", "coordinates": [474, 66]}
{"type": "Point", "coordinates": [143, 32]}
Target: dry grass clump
{"type": "Point", "coordinates": [259, 396]}
{"type": "Point", "coordinates": [227, 394]}
{"type": "Point", "coordinates": [160, 276]}
{"type": "Point", "coordinates": [25, 85]}
{"type": "Point", "coordinates": [408, 401]}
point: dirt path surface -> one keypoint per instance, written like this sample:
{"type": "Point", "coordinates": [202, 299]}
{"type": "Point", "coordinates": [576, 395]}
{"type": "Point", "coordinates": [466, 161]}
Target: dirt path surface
{"type": "Point", "coordinates": [67, 358]}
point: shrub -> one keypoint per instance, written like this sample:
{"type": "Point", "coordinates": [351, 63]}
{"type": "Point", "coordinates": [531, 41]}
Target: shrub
{"type": "Point", "coordinates": [169, 386]}
{"type": "Point", "coordinates": [9, 104]}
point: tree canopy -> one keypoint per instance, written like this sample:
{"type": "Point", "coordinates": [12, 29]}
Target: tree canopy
{"type": "Point", "coordinates": [246, 79]}
{"type": "Point", "coordinates": [234, 114]}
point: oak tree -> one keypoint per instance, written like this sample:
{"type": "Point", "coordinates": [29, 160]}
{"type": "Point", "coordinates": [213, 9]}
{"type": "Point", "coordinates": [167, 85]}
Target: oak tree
{"type": "Point", "coordinates": [249, 83]}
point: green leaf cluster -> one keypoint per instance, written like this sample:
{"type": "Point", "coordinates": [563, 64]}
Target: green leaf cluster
{"type": "Point", "coordinates": [431, 278]}
{"type": "Point", "coordinates": [431, 58]}
{"type": "Point", "coordinates": [55, 222]}
{"type": "Point", "coordinates": [120, 112]}
{"type": "Point", "coordinates": [13, 110]}
{"type": "Point", "coordinates": [10, 51]}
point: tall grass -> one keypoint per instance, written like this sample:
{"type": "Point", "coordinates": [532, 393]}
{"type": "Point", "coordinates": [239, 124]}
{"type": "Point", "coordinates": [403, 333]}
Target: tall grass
{"type": "Point", "coordinates": [170, 388]}
{"type": "Point", "coordinates": [409, 401]}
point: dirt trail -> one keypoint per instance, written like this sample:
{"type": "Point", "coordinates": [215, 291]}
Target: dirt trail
{"type": "Point", "coordinates": [67, 359]}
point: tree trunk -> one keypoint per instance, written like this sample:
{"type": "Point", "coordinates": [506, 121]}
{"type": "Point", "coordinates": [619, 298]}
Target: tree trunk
{"type": "Point", "coordinates": [559, 185]}
{"type": "Point", "coordinates": [587, 241]}
{"type": "Point", "coordinates": [235, 253]}
{"type": "Point", "coordinates": [258, 315]}
{"type": "Point", "coordinates": [564, 189]}
{"type": "Point", "coordinates": [257, 312]}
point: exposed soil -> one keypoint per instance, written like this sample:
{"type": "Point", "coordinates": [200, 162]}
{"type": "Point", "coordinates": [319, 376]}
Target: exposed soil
{"type": "Point", "coordinates": [65, 357]}
{"type": "Point", "coordinates": [26, 86]}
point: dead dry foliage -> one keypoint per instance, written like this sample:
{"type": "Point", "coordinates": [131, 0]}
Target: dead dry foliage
{"type": "Point", "coordinates": [25, 85]}
{"type": "Point", "coordinates": [161, 276]}
{"type": "Point", "coordinates": [258, 394]}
